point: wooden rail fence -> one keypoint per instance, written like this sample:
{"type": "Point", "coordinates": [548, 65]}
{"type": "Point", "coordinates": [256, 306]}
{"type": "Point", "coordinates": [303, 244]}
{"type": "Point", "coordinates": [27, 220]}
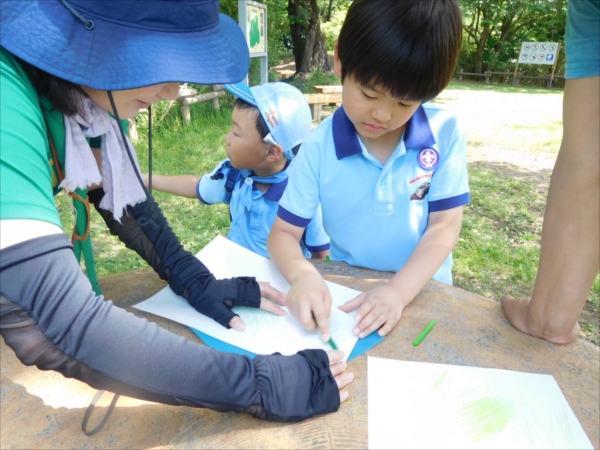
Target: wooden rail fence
{"type": "Point", "coordinates": [489, 74]}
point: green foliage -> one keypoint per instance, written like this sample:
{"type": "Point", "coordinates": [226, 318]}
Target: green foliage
{"type": "Point", "coordinates": [331, 28]}
{"type": "Point", "coordinates": [494, 30]}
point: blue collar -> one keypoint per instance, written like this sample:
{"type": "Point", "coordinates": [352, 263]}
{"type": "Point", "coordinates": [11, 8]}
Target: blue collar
{"type": "Point", "coordinates": [417, 134]}
{"type": "Point", "coordinates": [275, 191]}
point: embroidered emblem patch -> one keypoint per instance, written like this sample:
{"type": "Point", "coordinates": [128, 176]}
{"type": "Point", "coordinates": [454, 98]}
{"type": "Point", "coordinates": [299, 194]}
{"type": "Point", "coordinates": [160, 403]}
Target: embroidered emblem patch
{"type": "Point", "coordinates": [421, 192]}
{"type": "Point", "coordinates": [428, 158]}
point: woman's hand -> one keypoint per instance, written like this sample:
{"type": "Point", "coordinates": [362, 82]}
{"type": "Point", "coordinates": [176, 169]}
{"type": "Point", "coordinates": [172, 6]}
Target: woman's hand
{"type": "Point", "coordinates": [266, 290]}
{"type": "Point", "coordinates": [338, 367]}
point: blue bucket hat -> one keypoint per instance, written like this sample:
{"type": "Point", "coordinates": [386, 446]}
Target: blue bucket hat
{"type": "Point", "coordinates": [117, 44]}
{"type": "Point", "coordinates": [285, 110]}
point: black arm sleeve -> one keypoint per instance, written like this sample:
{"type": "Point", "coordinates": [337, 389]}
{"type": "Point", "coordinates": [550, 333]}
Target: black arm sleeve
{"type": "Point", "coordinates": [145, 230]}
{"type": "Point", "coordinates": [51, 318]}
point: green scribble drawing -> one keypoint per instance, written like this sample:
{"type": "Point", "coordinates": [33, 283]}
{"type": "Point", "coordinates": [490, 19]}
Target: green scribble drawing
{"type": "Point", "coordinates": [565, 426]}
{"type": "Point", "coordinates": [441, 379]}
{"type": "Point", "coordinates": [486, 417]}
{"type": "Point", "coordinates": [254, 32]}
{"type": "Point", "coordinates": [257, 319]}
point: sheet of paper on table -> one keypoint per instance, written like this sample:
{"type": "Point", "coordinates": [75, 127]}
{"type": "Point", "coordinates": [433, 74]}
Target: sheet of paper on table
{"type": "Point", "coordinates": [265, 332]}
{"type": "Point", "coordinates": [422, 405]}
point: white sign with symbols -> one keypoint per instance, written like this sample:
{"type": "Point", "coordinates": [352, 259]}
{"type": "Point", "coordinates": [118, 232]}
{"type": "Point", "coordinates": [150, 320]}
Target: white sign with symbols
{"type": "Point", "coordinates": [538, 53]}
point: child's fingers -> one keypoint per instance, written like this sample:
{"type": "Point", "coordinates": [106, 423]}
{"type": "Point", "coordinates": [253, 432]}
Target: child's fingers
{"type": "Point", "coordinates": [353, 304]}
{"type": "Point", "coordinates": [364, 310]}
{"type": "Point", "coordinates": [267, 290]}
{"type": "Point", "coordinates": [387, 327]}
{"type": "Point", "coordinates": [237, 323]}
{"type": "Point", "coordinates": [271, 307]}
{"type": "Point", "coordinates": [305, 317]}
{"type": "Point", "coordinates": [370, 323]}
{"type": "Point", "coordinates": [320, 312]}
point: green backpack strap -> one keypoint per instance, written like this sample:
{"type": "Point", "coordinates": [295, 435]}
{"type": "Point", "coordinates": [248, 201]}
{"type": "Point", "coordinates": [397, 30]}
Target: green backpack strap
{"type": "Point", "coordinates": [81, 239]}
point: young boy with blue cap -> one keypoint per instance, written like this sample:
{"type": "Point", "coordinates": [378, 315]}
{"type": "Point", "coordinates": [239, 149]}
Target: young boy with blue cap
{"type": "Point", "coordinates": [268, 125]}
{"type": "Point", "coordinates": [388, 169]}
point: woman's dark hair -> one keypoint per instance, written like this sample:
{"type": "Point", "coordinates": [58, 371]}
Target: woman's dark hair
{"type": "Point", "coordinates": [64, 95]}
{"type": "Point", "coordinates": [409, 47]}
{"type": "Point", "coordinates": [261, 125]}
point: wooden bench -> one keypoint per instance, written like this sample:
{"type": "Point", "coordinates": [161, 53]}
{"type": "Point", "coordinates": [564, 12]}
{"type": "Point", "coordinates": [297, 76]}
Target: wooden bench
{"type": "Point", "coordinates": [316, 100]}
{"type": "Point", "coordinates": [285, 73]}
{"type": "Point", "coordinates": [328, 89]}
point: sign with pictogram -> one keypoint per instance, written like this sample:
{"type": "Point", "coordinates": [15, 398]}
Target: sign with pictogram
{"type": "Point", "coordinates": [538, 53]}
{"type": "Point", "coordinates": [545, 53]}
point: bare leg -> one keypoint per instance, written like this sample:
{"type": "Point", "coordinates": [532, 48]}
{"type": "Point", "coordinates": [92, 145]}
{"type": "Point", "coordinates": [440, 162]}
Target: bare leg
{"type": "Point", "coordinates": [570, 247]}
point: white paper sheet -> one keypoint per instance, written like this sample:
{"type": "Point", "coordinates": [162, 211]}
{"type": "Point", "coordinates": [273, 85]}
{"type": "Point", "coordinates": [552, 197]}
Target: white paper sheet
{"type": "Point", "coordinates": [265, 332]}
{"type": "Point", "coordinates": [429, 406]}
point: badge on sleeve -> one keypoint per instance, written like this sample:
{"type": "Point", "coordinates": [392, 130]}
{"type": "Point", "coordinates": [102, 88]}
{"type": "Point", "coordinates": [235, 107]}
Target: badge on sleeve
{"type": "Point", "coordinates": [428, 158]}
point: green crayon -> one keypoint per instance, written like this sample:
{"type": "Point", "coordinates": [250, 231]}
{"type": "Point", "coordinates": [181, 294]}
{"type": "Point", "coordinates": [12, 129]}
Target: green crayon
{"type": "Point", "coordinates": [333, 346]}
{"type": "Point", "coordinates": [421, 336]}
{"type": "Point", "coordinates": [330, 341]}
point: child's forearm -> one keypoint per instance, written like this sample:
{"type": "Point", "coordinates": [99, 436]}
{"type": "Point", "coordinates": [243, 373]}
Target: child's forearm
{"type": "Point", "coordinates": [182, 185]}
{"type": "Point", "coordinates": [284, 249]}
{"type": "Point", "coordinates": [319, 255]}
{"type": "Point", "coordinates": [432, 250]}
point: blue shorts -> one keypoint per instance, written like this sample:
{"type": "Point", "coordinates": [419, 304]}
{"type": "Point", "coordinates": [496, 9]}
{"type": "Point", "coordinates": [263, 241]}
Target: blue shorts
{"type": "Point", "coordinates": [583, 39]}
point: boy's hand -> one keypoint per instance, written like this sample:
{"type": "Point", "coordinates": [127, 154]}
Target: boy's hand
{"type": "Point", "coordinates": [266, 290]}
{"type": "Point", "coordinates": [379, 307]}
{"type": "Point", "coordinates": [309, 301]}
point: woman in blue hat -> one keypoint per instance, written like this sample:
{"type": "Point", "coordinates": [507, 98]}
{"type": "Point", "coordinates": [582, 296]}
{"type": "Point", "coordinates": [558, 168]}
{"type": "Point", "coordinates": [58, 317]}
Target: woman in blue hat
{"type": "Point", "coordinates": [70, 70]}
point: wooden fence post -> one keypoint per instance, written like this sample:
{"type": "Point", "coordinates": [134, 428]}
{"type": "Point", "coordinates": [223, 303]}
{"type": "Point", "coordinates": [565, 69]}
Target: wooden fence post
{"type": "Point", "coordinates": [215, 88]}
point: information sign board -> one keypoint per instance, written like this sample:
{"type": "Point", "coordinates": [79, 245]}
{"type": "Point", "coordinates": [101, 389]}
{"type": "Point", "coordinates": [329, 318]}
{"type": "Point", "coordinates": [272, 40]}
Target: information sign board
{"type": "Point", "coordinates": [538, 53]}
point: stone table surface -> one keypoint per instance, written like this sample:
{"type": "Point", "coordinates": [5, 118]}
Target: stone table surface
{"type": "Point", "coordinates": [44, 410]}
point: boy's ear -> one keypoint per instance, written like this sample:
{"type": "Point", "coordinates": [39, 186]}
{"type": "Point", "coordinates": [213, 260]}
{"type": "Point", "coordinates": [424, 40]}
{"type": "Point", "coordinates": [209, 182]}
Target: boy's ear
{"type": "Point", "coordinates": [274, 153]}
{"type": "Point", "coordinates": [337, 64]}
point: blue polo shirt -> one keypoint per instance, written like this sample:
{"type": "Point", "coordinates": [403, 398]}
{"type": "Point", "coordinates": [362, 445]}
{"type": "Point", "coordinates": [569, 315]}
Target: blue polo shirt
{"type": "Point", "coordinates": [250, 228]}
{"type": "Point", "coordinates": [376, 213]}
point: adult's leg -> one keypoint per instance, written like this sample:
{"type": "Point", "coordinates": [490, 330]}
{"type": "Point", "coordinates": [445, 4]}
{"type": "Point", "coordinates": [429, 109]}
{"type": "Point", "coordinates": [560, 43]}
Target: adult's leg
{"type": "Point", "coordinates": [569, 256]}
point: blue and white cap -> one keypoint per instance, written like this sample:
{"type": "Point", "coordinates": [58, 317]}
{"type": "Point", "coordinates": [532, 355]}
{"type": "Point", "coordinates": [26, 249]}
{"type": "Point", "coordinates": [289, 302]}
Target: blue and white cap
{"type": "Point", "coordinates": [284, 109]}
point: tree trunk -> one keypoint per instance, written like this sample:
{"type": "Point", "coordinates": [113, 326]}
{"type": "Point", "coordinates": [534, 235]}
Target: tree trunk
{"type": "Point", "coordinates": [310, 51]}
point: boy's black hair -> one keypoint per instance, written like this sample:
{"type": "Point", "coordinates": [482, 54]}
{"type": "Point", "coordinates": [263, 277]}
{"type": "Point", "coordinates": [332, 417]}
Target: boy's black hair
{"type": "Point", "coordinates": [261, 125]}
{"type": "Point", "coordinates": [409, 47]}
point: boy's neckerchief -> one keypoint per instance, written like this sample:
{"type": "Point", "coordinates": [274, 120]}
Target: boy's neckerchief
{"type": "Point", "coordinates": [248, 180]}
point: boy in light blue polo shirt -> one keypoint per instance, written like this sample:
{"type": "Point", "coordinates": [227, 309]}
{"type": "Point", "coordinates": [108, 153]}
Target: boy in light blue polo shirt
{"type": "Point", "coordinates": [388, 169]}
{"type": "Point", "coordinates": [268, 124]}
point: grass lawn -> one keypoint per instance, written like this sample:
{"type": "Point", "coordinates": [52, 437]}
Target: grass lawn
{"type": "Point", "coordinates": [513, 137]}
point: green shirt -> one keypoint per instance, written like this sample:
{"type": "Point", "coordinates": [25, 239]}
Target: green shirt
{"type": "Point", "coordinates": [27, 178]}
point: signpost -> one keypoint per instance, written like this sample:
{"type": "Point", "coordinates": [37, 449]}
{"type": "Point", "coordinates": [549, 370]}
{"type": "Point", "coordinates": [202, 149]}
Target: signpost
{"type": "Point", "coordinates": [252, 17]}
{"type": "Point", "coordinates": [545, 53]}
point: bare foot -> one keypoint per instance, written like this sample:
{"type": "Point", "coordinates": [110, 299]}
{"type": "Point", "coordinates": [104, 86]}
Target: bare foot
{"type": "Point", "coordinates": [518, 314]}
